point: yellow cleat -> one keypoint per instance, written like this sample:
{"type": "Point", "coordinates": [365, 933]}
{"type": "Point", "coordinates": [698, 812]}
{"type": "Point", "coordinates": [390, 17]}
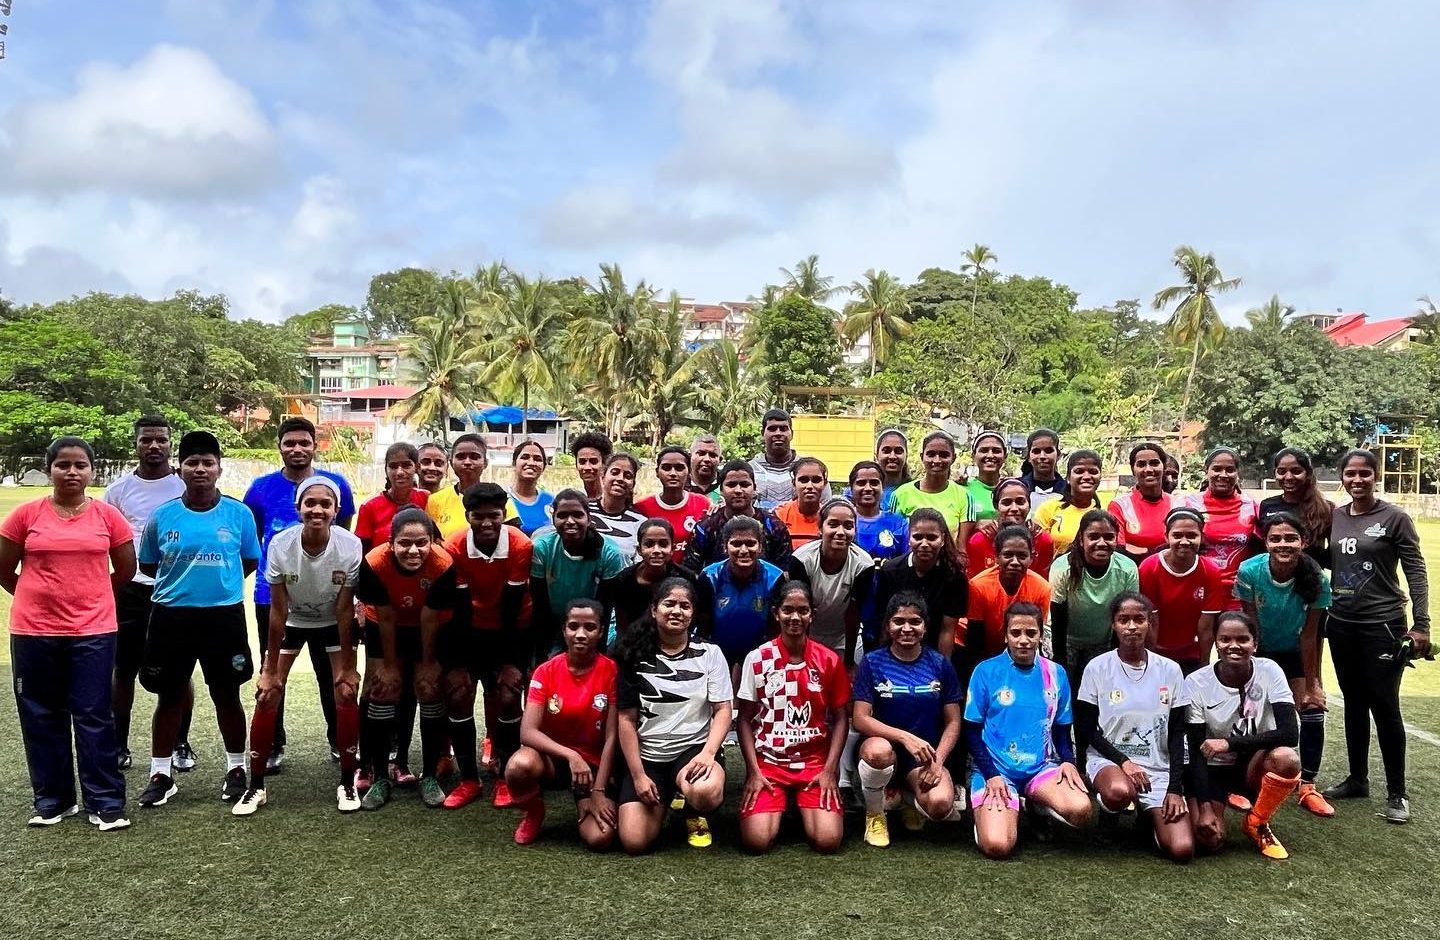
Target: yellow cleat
{"type": "Point", "coordinates": [877, 830]}
{"type": "Point", "coordinates": [1264, 839]}
{"type": "Point", "coordinates": [677, 802]}
{"type": "Point", "coordinates": [697, 832]}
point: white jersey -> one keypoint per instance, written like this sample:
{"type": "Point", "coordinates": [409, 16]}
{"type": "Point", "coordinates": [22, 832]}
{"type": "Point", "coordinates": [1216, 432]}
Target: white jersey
{"type": "Point", "coordinates": [313, 582]}
{"type": "Point", "coordinates": [1135, 705]}
{"type": "Point", "coordinates": [137, 500]}
{"type": "Point", "coordinates": [832, 592]}
{"type": "Point", "coordinates": [1224, 711]}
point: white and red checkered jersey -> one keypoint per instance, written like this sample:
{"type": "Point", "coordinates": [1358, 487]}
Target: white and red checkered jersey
{"type": "Point", "coordinates": [791, 724]}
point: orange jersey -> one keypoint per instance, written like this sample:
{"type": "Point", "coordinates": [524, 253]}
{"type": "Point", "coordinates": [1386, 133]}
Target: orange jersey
{"type": "Point", "coordinates": [382, 584]}
{"type": "Point", "coordinates": [486, 576]}
{"type": "Point", "coordinates": [988, 600]}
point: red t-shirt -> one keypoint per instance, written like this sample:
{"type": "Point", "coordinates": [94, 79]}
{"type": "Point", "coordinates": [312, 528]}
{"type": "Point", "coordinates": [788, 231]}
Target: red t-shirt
{"type": "Point", "coordinates": [372, 521]}
{"type": "Point", "coordinates": [575, 708]}
{"type": "Point", "coordinates": [792, 728]}
{"type": "Point", "coordinates": [802, 528]}
{"type": "Point", "coordinates": [682, 518]}
{"type": "Point", "coordinates": [988, 601]}
{"type": "Point", "coordinates": [64, 587]}
{"type": "Point", "coordinates": [1142, 523]}
{"type": "Point", "coordinates": [487, 575]}
{"type": "Point", "coordinates": [980, 555]}
{"type": "Point", "coordinates": [1179, 601]}
{"type": "Point", "coordinates": [1229, 529]}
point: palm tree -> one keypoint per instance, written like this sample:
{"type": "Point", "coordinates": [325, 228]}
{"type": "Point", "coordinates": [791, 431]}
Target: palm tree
{"type": "Point", "coordinates": [880, 309]}
{"type": "Point", "coordinates": [728, 391]}
{"type": "Point", "coordinates": [1272, 315]}
{"type": "Point", "coordinates": [671, 392]}
{"type": "Point", "coordinates": [806, 281]}
{"type": "Point", "coordinates": [444, 365]}
{"type": "Point", "coordinates": [524, 349]}
{"type": "Point", "coordinates": [607, 341]}
{"type": "Point", "coordinates": [1427, 321]}
{"type": "Point", "coordinates": [975, 260]}
{"type": "Point", "coordinates": [1195, 317]}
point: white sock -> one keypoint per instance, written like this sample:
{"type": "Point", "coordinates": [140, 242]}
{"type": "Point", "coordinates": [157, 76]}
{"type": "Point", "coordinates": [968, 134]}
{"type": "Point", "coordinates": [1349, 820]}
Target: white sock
{"type": "Point", "coordinates": [848, 758]}
{"type": "Point", "coordinates": [161, 765]}
{"type": "Point", "coordinates": [873, 781]}
{"type": "Point", "coordinates": [233, 760]}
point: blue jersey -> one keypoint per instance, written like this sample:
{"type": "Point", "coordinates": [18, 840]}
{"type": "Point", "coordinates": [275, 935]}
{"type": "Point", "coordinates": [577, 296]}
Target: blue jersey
{"type": "Point", "coordinates": [883, 537]}
{"type": "Point", "coordinates": [742, 611]}
{"type": "Point", "coordinates": [1017, 710]}
{"type": "Point", "coordinates": [271, 499]}
{"type": "Point", "coordinates": [200, 554]}
{"type": "Point", "coordinates": [908, 696]}
{"type": "Point", "coordinates": [532, 516]}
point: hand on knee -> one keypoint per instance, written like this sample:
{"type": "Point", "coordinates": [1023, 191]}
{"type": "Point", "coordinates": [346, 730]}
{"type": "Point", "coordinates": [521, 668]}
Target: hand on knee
{"type": "Point", "coordinates": [1117, 794]}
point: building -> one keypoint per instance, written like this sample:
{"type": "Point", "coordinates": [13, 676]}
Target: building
{"type": "Point", "coordinates": [1355, 329]}
{"type": "Point", "coordinates": [348, 359]}
{"type": "Point", "coordinates": [710, 323]}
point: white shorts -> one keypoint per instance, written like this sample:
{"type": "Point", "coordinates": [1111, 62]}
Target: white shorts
{"type": "Point", "coordinates": [1159, 781]}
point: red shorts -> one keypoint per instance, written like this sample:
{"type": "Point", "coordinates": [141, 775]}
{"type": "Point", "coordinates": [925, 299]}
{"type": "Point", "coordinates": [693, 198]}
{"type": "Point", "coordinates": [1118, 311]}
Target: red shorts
{"type": "Point", "coordinates": [787, 782]}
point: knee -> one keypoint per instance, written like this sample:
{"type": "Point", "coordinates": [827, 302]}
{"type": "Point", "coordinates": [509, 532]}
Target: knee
{"type": "Point", "coordinates": [1117, 792]}
{"type": "Point", "coordinates": [524, 765]}
{"type": "Point", "coordinates": [936, 802]}
{"type": "Point", "coordinates": [1178, 847]}
{"type": "Point", "coordinates": [828, 842]}
{"type": "Point", "coordinates": [755, 842]}
{"type": "Point", "coordinates": [635, 842]}
{"type": "Point", "coordinates": [1283, 761]}
{"type": "Point", "coordinates": [997, 849]}
{"type": "Point", "coordinates": [597, 839]}
{"type": "Point", "coordinates": [706, 797]}
{"type": "Point", "coordinates": [877, 752]}
{"type": "Point", "coordinates": [1077, 814]}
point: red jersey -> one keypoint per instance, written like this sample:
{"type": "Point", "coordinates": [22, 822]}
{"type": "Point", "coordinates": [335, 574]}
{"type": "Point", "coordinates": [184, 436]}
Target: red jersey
{"type": "Point", "coordinates": [372, 521]}
{"type": "Point", "coordinates": [487, 575]}
{"type": "Point", "coordinates": [1180, 600]}
{"type": "Point", "coordinates": [802, 528]}
{"type": "Point", "coordinates": [682, 517]}
{"type": "Point", "coordinates": [792, 728]}
{"type": "Point", "coordinates": [980, 555]}
{"type": "Point", "coordinates": [1229, 530]}
{"type": "Point", "coordinates": [576, 708]}
{"type": "Point", "coordinates": [988, 600]}
{"type": "Point", "coordinates": [382, 584]}
{"type": "Point", "coordinates": [1142, 523]}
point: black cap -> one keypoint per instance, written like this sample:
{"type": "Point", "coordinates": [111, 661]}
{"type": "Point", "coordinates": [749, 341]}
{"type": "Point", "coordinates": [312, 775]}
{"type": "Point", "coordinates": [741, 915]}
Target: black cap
{"type": "Point", "coordinates": [199, 442]}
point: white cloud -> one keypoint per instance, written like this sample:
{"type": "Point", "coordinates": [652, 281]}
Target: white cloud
{"type": "Point", "coordinates": [169, 125]}
{"type": "Point", "coordinates": [601, 216]}
{"type": "Point", "coordinates": [324, 213]}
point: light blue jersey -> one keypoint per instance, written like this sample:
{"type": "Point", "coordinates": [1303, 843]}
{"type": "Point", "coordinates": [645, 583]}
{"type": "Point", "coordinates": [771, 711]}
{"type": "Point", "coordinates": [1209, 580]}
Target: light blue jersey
{"type": "Point", "coordinates": [200, 554]}
{"type": "Point", "coordinates": [1017, 710]}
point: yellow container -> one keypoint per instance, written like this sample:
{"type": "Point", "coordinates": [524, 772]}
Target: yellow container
{"type": "Point", "coordinates": [840, 440]}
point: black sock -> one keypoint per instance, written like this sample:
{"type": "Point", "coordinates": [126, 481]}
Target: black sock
{"type": "Point", "coordinates": [375, 732]}
{"type": "Point", "coordinates": [462, 739]}
{"type": "Point", "coordinates": [433, 736]}
{"type": "Point", "coordinates": [505, 738]}
{"type": "Point", "coordinates": [1312, 743]}
{"type": "Point", "coordinates": [184, 736]}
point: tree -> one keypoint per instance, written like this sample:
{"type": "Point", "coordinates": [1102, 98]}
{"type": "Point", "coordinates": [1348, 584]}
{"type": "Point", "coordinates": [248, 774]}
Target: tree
{"type": "Point", "coordinates": [610, 341]}
{"type": "Point", "coordinates": [1427, 321]}
{"type": "Point", "coordinates": [320, 320]}
{"type": "Point", "coordinates": [524, 349]}
{"type": "Point", "coordinates": [729, 393]}
{"type": "Point", "coordinates": [1195, 316]}
{"type": "Point", "coordinates": [805, 281]}
{"type": "Point", "coordinates": [799, 339]}
{"type": "Point", "coordinates": [1271, 315]}
{"type": "Point", "coordinates": [444, 366]}
{"type": "Point", "coordinates": [975, 260]}
{"type": "Point", "coordinates": [671, 394]}
{"type": "Point", "coordinates": [879, 310]}
{"type": "Point", "coordinates": [397, 299]}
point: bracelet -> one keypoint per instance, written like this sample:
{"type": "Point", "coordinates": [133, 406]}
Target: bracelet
{"type": "Point", "coordinates": [597, 789]}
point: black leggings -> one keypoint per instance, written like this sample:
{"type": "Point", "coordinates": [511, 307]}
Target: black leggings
{"type": "Point", "coordinates": [319, 660]}
{"type": "Point", "coordinates": [1371, 687]}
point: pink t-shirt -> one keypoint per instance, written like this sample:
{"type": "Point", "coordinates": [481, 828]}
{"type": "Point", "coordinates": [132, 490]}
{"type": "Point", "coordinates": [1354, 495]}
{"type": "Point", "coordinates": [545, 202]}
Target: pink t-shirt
{"type": "Point", "coordinates": [64, 587]}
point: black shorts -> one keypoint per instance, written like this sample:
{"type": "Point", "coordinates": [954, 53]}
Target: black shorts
{"type": "Point", "coordinates": [1222, 780]}
{"type": "Point", "coordinates": [407, 643]}
{"type": "Point", "coordinates": [132, 615]}
{"type": "Point", "coordinates": [481, 653]}
{"type": "Point", "coordinates": [327, 637]}
{"type": "Point", "coordinates": [662, 772]}
{"type": "Point", "coordinates": [560, 780]}
{"type": "Point", "coordinates": [180, 637]}
{"type": "Point", "coordinates": [1288, 661]}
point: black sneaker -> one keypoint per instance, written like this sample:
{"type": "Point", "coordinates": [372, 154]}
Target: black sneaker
{"type": "Point", "coordinates": [1349, 789]}
{"type": "Point", "coordinates": [184, 758]}
{"type": "Point", "coordinates": [125, 759]}
{"type": "Point", "coordinates": [334, 754]}
{"type": "Point", "coordinates": [234, 786]}
{"type": "Point", "coordinates": [110, 822]}
{"type": "Point", "coordinates": [158, 793]}
{"type": "Point", "coordinates": [1397, 810]}
{"type": "Point", "coordinates": [276, 761]}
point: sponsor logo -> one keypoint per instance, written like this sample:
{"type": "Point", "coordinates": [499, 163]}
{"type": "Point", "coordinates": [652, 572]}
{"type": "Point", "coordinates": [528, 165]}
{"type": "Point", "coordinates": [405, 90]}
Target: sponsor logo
{"type": "Point", "coordinates": [1116, 696]}
{"type": "Point", "coordinates": [934, 687]}
{"type": "Point", "coordinates": [1376, 531]}
{"type": "Point", "coordinates": [723, 602]}
{"type": "Point", "coordinates": [885, 689]}
{"type": "Point", "coordinates": [797, 716]}
{"type": "Point", "coordinates": [1165, 695]}
{"type": "Point", "coordinates": [237, 662]}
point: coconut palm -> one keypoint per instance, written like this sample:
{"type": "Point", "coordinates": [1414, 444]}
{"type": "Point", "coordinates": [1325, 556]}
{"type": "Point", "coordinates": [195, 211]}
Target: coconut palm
{"type": "Point", "coordinates": [1194, 317]}
{"type": "Point", "coordinates": [671, 394]}
{"type": "Point", "coordinates": [879, 309]}
{"type": "Point", "coordinates": [728, 391]}
{"type": "Point", "coordinates": [523, 351]}
{"type": "Point", "coordinates": [607, 342]}
{"type": "Point", "coordinates": [1427, 320]}
{"type": "Point", "coordinates": [1272, 315]}
{"type": "Point", "coordinates": [806, 280]}
{"type": "Point", "coordinates": [443, 364]}
{"type": "Point", "coordinates": [975, 260]}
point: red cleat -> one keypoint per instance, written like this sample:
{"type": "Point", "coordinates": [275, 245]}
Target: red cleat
{"type": "Point", "coordinates": [529, 829]}
{"type": "Point", "coordinates": [502, 796]}
{"type": "Point", "coordinates": [465, 793]}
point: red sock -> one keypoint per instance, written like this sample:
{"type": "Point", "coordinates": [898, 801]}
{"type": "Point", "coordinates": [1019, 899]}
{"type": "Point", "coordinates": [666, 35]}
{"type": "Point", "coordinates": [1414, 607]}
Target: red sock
{"type": "Point", "coordinates": [347, 738]}
{"type": "Point", "coordinates": [262, 742]}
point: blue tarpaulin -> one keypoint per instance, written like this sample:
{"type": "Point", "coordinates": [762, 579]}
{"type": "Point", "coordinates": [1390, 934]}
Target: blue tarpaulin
{"type": "Point", "coordinates": [505, 415]}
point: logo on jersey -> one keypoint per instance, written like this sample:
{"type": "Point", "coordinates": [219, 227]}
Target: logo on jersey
{"type": "Point", "coordinates": [337, 578]}
{"type": "Point", "coordinates": [1376, 531]}
{"type": "Point", "coordinates": [600, 702]}
{"type": "Point", "coordinates": [774, 681]}
{"type": "Point", "coordinates": [934, 687]}
{"type": "Point", "coordinates": [553, 705]}
{"type": "Point", "coordinates": [722, 602]}
{"type": "Point", "coordinates": [690, 522]}
{"type": "Point", "coordinates": [1006, 696]}
{"type": "Point", "coordinates": [1116, 696]}
{"type": "Point", "coordinates": [425, 584]}
{"type": "Point", "coordinates": [797, 716]}
{"type": "Point", "coordinates": [1200, 593]}
{"type": "Point", "coordinates": [886, 539]}
{"type": "Point", "coordinates": [1133, 526]}
{"type": "Point", "coordinates": [1165, 695]}
{"type": "Point", "coordinates": [1051, 695]}
{"type": "Point", "coordinates": [885, 689]}
{"type": "Point", "coordinates": [814, 679]}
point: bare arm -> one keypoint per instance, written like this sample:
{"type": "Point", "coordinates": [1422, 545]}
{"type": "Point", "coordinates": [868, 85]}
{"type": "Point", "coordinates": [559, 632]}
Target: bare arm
{"type": "Point", "coordinates": [10, 553]}
{"type": "Point", "coordinates": [122, 564]}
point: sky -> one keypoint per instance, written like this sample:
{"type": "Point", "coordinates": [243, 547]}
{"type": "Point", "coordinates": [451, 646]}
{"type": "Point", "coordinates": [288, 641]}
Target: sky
{"type": "Point", "coordinates": [283, 151]}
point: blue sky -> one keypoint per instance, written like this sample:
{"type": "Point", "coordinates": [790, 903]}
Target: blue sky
{"type": "Point", "coordinates": [282, 152]}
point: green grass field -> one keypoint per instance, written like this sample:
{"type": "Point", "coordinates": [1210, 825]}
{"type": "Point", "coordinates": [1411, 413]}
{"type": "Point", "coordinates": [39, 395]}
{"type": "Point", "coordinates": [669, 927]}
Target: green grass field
{"type": "Point", "coordinates": [300, 869]}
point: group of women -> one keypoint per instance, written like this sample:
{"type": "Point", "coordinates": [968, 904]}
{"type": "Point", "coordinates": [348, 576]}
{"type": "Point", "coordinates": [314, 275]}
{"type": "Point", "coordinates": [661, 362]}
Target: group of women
{"type": "Point", "coordinates": [935, 645]}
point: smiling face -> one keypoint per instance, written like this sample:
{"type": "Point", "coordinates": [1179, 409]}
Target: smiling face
{"type": "Point", "coordinates": [1084, 477]}
{"type": "Point", "coordinates": [655, 546]}
{"type": "Point", "coordinates": [1098, 542]}
{"type": "Point", "coordinates": [1223, 475]}
{"type": "Point", "coordinates": [530, 463]}
{"type": "Point", "coordinates": [743, 550]}
{"type": "Point", "coordinates": [738, 491]}
{"type": "Point", "coordinates": [1043, 454]}
{"type": "Point", "coordinates": [673, 473]}
{"type": "Point", "coordinates": [1358, 479]}
{"type": "Point", "coordinates": [1291, 476]}
{"type": "Point", "coordinates": [938, 457]}
{"type": "Point", "coordinates": [793, 614]}
{"type": "Point", "coordinates": [582, 632]}
{"type": "Point", "coordinates": [989, 456]}
{"type": "Point", "coordinates": [571, 518]}
{"type": "Point", "coordinates": [71, 472]}
{"type": "Point", "coordinates": [411, 545]}
{"type": "Point", "coordinates": [1184, 538]}
{"type": "Point", "coordinates": [468, 460]}
{"type": "Point", "coordinates": [1012, 504]}
{"type": "Point", "coordinates": [673, 614]}
{"type": "Point", "coordinates": [810, 486]}
{"type": "Point", "coordinates": [906, 629]}
{"type": "Point", "coordinates": [837, 532]}
{"type": "Point", "coordinates": [619, 481]}
{"type": "Point", "coordinates": [1149, 469]}
{"type": "Point", "coordinates": [485, 524]}
{"type": "Point", "coordinates": [868, 490]}
{"type": "Point", "coordinates": [926, 542]}
{"type": "Point", "coordinates": [1132, 625]}
{"type": "Point", "coordinates": [152, 447]}
{"type": "Point", "coordinates": [1022, 638]}
{"type": "Point", "coordinates": [1284, 543]}
{"type": "Point", "coordinates": [1234, 642]}
{"type": "Point", "coordinates": [297, 449]}
{"type": "Point", "coordinates": [891, 454]}
{"type": "Point", "coordinates": [589, 464]}
{"type": "Point", "coordinates": [317, 508]}
{"type": "Point", "coordinates": [432, 468]}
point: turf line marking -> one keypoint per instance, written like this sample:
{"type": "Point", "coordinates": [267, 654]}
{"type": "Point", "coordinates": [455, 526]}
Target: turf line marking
{"type": "Point", "coordinates": [1414, 732]}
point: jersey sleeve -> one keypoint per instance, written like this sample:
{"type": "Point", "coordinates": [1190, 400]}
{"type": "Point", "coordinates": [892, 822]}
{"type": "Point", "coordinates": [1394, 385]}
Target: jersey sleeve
{"type": "Point", "coordinates": [1195, 705]}
{"type": "Point", "coordinates": [521, 559]}
{"type": "Point", "coordinates": [538, 559]}
{"type": "Point", "coordinates": [117, 524]}
{"type": "Point", "coordinates": [837, 685]}
{"type": "Point", "coordinates": [950, 691]}
{"type": "Point", "coordinates": [863, 688]}
{"type": "Point", "coordinates": [1059, 579]}
{"type": "Point", "coordinates": [274, 573]}
{"type": "Point", "coordinates": [1181, 696]}
{"type": "Point", "coordinates": [249, 542]}
{"type": "Point", "coordinates": [1090, 683]}
{"type": "Point", "coordinates": [717, 676]}
{"type": "Point", "coordinates": [627, 691]}
{"type": "Point", "coordinates": [1063, 714]}
{"type": "Point", "coordinates": [369, 589]}
{"type": "Point", "coordinates": [955, 598]}
{"type": "Point", "coordinates": [1324, 598]}
{"type": "Point", "coordinates": [611, 561]}
{"type": "Point", "coordinates": [442, 593]}
{"type": "Point", "coordinates": [540, 681]}
{"type": "Point", "coordinates": [149, 553]}
{"type": "Point", "coordinates": [18, 522]}
{"type": "Point", "coordinates": [365, 523]}
{"type": "Point", "coordinates": [1244, 591]}
{"type": "Point", "coordinates": [347, 500]}
{"type": "Point", "coordinates": [1277, 687]}
{"type": "Point", "coordinates": [978, 696]}
{"type": "Point", "coordinates": [1114, 510]}
{"type": "Point", "coordinates": [746, 690]}
{"type": "Point", "coordinates": [1214, 589]}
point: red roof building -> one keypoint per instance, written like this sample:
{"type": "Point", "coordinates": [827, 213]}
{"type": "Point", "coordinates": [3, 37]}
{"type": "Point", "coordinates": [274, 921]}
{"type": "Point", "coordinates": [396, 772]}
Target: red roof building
{"type": "Point", "coordinates": [1356, 329]}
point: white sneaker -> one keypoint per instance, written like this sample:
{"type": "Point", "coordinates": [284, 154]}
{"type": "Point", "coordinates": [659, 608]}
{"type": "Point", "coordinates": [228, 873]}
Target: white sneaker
{"type": "Point", "coordinates": [346, 799]}
{"type": "Point", "coordinates": [37, 820]}
{"type": "Point", "coordinates": [249, 804]}
{"type": "Point", "coordinates": [109, 822]}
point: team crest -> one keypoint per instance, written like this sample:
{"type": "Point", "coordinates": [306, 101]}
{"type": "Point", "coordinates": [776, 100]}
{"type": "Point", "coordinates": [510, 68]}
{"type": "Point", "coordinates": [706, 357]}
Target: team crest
{"type": "Point", "coordinates": [337, 578]}
{"type": "Point", "coordinates": [1376, 531]}
{"type": "Point", "coordinates": [722, 602]}
{"type": "Point", "coordinates": [425, 584]}
{"type": "Point", "coordinates": [1165, 695]}
{"type": "Point", "coordinates": [600, 701]}
{"type": "Point", "coordinates": [1006, 696]}
{"type": "Point", "coordinates": [934, 687]}
{"type": "Point", "coordinates": [1116, 696]}
{"type": "Point", "coordinates": [1200, 593]}
{"type": "Point", "coordinates": [887, 539]}
{"type": "Point", "coordinates": [553, 705]}
{"type": "Point", "coordinates": [814, 680]}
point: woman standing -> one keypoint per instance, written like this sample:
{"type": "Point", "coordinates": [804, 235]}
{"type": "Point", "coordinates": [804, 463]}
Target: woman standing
{"type": "Point", "coordinates": [1012, 507]}
{"type": "Point", "coordinates": [572, 561]}
{"type": "Point", "coordinates": [1061, 517]}
{"type": "Point", "coordinates": [372, 521]}
{"type": "Point", "coordinates": [1017, 726]}
{"type": "Point", "coordinates": [935, 490]}
{"type": "Point", "coordinates": [801, 515]}
{"type": "Point", "coordinates": [1083, 585]}
{"type": "Point", "coordinates": [881, 533]}
{"type": "Point", "coordinates": [1287, 594]}
{"type": "Point", "coordinates": [614, 514]}
{"type": "Point", "coordinates": [674, 697]}
{"type": "Point", "coordinates": [1187, 592]}
{"type": "Point", "coordinates": [1229, 515]}
{"type": "Point", "coordinates": [892, 453]}
{"type": "Point", "coordinates": [742, 589]}
{"type": "Point", "coordinates": [1130, 725]}
{"type": "Point", "coordinates": [1042, 459]}
{"type": "Point", "coordinates": [839, 576]}
{"type": "Point", "coordinates": [468, 459]}
{"type": "Point", "coordinates": [568, 733]}
{"type": "Point", "coordinates": [1011, 580]}
{"type": "Point", "coordinates": [988, 451]}
{"type": "Point", "coordinates": [1142, 511]}
{"type": "Point", "coordinates": [930, 570]}
{"type": "Point", "coordinates": [530, 505]}
{"type": "Point", "coordinates": [1300, 495]}
{"type": "Point", "coordinates": [907, 709]}
{"type": "Point", "coordinates": [62, 637]}
{"type": "Point", "coordinates": [635, 587]}
{"type": "Point", "coordinates": [1369, 540]}
{"type": "Point", "coordinates": [1242, 738]}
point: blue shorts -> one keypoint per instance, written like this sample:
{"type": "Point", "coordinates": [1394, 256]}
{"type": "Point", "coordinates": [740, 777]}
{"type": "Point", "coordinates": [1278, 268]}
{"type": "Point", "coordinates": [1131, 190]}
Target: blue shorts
{"type": "Point", "coordinates": [1016, 785]}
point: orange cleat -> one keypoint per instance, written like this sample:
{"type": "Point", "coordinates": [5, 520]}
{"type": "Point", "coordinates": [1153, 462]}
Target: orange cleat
{"type": "Point", "coordinates": [465, 793]}
{"type": "Point", "coordinates": [501, 796]}
{"type": "Point", "coordinates": [1314, 801]}
{"type": "Point", "coordinates": [529, 829]}
{"type": "Point", "coordinates": [1264, 838]}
